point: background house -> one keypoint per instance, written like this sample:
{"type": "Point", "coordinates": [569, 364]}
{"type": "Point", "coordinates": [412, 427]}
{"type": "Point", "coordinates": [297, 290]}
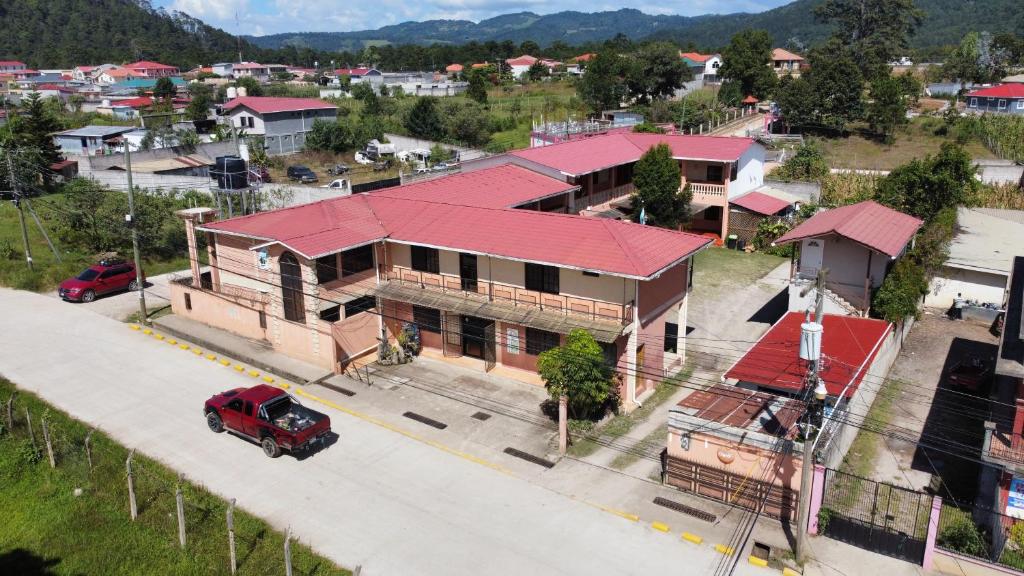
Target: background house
{"type": "Point", "coordinates": [1002, 99]}
{"type": "Point", "coordinates": [91, 140]}
{"type": "Point", "coordinates": [978, 265]}
{"type": "Point", "coordinates": [748, 211]}
{"type": "Point", "coordinates": [149, 69]}
{"type": "Point", "coordinates": [283, 122]}
{"type": "Point", "coordinates": [785, 62]}
{"type": "Point", "coordinates": [856, 244]}
{"type": "Point", "coordinates": [704, 67]}
{"type": "Point", "coordinates": [9, 66]}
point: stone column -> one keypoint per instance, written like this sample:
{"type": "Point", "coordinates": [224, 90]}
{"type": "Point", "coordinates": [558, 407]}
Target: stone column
{"type": "Point", "coordinates": [192, 217]}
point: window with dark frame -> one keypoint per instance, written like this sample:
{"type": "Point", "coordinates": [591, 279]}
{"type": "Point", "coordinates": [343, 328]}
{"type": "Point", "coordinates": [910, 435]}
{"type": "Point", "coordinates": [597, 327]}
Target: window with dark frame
{"type": "Point", "coordinates": [235, 405]}
{"type": "Point", "coordinates": [357, 260]}
{"type": "Point", "coordinates": [542, 278]}
{"type": "Point", "coordinates": [263, 319]}
{"type": "Point", "coordinates": [326, 269]}
{"type": "Point", "coordinates": [714, 173]}
{"type": "Point", "coordinates": [733, 172]}
{"type": "Point", "coordinates": [671, 337]}
{"type": "Point", "coordinates": [425, 259]}
{"type": "Point", "coordinates": [332, 314]}
{"type": "Point", "coordinates": [188, 301]}
{"type": "Point", "coordinates": [428, 319]}
{"type": "Point", "coordinates": [538, 341]}
{"type": "Point", "coordinates": [361, 304]}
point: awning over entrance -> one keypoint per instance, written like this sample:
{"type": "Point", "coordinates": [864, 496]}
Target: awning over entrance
{"type": "Point", "coordinates": [481, 307]}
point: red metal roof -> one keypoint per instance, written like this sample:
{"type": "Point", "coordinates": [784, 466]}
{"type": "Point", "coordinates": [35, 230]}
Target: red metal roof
{"type": "Point", "coordinates": [1011, 90]}
{"type": "Point", "coordinates": [781, 54]}
{"type": "Point", "coordinates": [504, 186]}
{"type": "Point", "coordinates": [11, 63]}
{"type": "Point", "coordinates": [578, 157]}
{"type": "Point", "coordinates": [848, 345]}
{"type": "Point", "coordinates": [749, 100]}
{"type": "Point", "coordinates": [524, 60]}
{"type": "Point", "coordinates": [761, 203]}
{"type": "Point", "coordinates": [453, 68]}
{"type": "Point", "coordinates": [746, 409]}
{"type": "Point", "coordinates": [869, 223]}
{"type": "Point", "coordinates": [268, 105]}
{"type": "Point", "coordinates": [695, 56]}
{"type": "Point", "coordinates": [596, 244]}
{"type": "Point", "coordinates": [149, 65]}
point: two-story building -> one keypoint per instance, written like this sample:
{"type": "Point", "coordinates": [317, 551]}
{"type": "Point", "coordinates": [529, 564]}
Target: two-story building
{"type": "Point", "coordinates": [490, 281]}
{"type": "Point", "coordinates": [717, 169]}
{"type": "Point", "coordinates": [11, 66]}
{"type": "Point", "coordinates": [785, 62]}
{"type": "Point", "coordinates": [704, 67]}
{"type": "Point", "coordinates": [1002, 99]}
{"type": "Point", "coordinates": [857, 245]}
{"type": "Point", "coordinates": [283, 122]}
{"type": "Point", "coordinates": [92, 140]}
{"type": "Point", "coordinates": [149, 69]}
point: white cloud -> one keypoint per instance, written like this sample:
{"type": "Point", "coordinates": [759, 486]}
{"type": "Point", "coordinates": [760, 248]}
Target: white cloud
{"type": "Point", "coordinates": [214, 11]}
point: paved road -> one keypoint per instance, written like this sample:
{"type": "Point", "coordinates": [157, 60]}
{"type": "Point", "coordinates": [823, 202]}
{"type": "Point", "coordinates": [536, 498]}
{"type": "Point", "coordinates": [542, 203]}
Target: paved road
{"type": "Point", "coordinates": [375, 498]}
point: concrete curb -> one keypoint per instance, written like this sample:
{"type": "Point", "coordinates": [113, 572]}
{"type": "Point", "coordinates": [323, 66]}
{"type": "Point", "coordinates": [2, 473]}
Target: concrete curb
{"type": "Point", "coordinates": [221, 350]}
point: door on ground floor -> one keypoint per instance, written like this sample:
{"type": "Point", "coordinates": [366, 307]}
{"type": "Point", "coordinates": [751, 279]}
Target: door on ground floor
{"type": "Point", "coordinates": [477, 337]}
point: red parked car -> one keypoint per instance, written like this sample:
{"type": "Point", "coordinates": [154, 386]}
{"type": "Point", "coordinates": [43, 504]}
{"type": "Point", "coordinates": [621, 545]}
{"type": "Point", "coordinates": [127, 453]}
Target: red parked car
{"type": "Point", "coordinates": [268, 416]}
{"type": "Point", "coordinates": [111, 275]}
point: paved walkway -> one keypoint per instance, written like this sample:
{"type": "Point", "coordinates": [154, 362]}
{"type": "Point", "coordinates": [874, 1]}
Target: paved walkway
{"type": "Point", "coordinates": [382, 497]}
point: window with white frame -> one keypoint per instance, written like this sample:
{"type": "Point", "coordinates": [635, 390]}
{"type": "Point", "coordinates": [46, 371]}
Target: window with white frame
{"type": "Point", "coordinates": [1020, 104]}
{"type": "Point", "coordinates": [1002, 103]}
{"type": "Point", "coordinates": [974, 102]}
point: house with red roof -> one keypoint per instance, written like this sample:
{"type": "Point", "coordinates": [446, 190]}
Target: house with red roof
{"type": "Point", "coordinates": [10, 66]}
{"type": "Point", "coordinates": [454, 69]}
{"type": "Point", "coordinates": [725, 441]}
{"type": "Point", "coordinates": [150, 69]}
{"type": "Point", "coordinates": [283, 122]}
{"type": "Point", "coordinates": [1001, 99]}
{"type": "Point", "coordinates": [704, 67]}
{"type": "Point", "coordinates": [488, 278]}
{"type": "Point", "coordinates": [747, 212]}
{"type": "Point", "coordinates": [785, 62]}
{"type": "Point", "coordinates": [857, 245]}
{"type": "Point", "coordinates": [716, 168]}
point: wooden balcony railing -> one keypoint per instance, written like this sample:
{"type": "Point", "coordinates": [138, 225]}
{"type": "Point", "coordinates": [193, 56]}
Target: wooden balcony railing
{"type": "Point", "coordinates": [515, 295]}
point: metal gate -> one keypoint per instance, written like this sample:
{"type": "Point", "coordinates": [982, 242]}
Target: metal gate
{"type": "Point", "coordinates": [451, 330]}
{"type": "Point", "coordinates": [876, 516]}
{"type": "Point", "coordinates": [489, 351]}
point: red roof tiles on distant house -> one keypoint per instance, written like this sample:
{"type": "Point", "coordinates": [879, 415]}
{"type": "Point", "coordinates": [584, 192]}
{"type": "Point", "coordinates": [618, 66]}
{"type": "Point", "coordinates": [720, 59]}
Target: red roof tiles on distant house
{"type": "Point", "coordinates": [848, 347]}
{"type": "Point", "coordinates": [1011, 90]}
{"type": "Point", "coordinates": [696, 57]}
{"type": "Point", "coordinates": [584, 57]}
{"type": "Point", "coordinates": [149, 65]}
{"type": "Point", "coordinates": [749, 100]}
{"type": "Point", "coordinates": [781, 54]}
{"type": "Point", "coordinates": [868, 223]}
{"type": "Point", "coordinates": [453, 68]}
{"type": "Point", "coordinates": [352, 71]}
{"type": "Point", "coordinates": [578, 157]}
{"type": "Point", "coordinates": [595, 244]}
{"type": "Point", "coordinates": [269, 105]}
{"type": "Point", "coordinates": [761, 203]}
{"type": "Point", "coordinates": [524, 60]}
{"type": "Point", "coordinates": [11, 63]}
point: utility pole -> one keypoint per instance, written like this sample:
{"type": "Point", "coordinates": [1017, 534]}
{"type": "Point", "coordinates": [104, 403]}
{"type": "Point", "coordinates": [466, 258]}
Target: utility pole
{"type": "Point", "coordinates": [130, 218]}
{"type": "Point", "coordinates": [18, 204]}
{"type": "Point", "coordinates": [813, 353]}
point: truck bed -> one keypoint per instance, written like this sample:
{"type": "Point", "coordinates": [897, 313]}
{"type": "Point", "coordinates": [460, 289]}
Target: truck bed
{"type": "Point", "coordinates": [290, 416]}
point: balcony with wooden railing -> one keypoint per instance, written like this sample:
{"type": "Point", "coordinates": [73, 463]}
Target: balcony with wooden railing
{"type": "Point", "coordinates": [514, 304]}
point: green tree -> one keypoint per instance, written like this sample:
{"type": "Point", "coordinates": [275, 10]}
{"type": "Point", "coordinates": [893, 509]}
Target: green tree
{"type": "Point", "coordinates": [746, 66]}
{"type": "Point", "coordinates": [251, 85]}
{"type": "Point", "coordinates": [797, 101]}
{"type": "Point", "coordinates": [201, 101]}
{"type": "Point", "coordinates": [258, 156]}
{"type": "Point", "coordinates": [537, 72]}
{"type": "Point", "coordinates": [656, 180]}
{"type": "Point", "coordinates": [477, 89]}
{"type": "Point", "coordinates": [424, 121]}
{"type": "Point", "coordinates": [655, 71]}
{"type": "Point", "coordinates": [577, 370]}
{"type": "Point", "coordinates": [875, 32]}
{"type": "Point", "coordinates": [838, 87]}
{"type": "Point", "coordinates": [31, 130]}
{"type": "Point", "coordinates": [187, 138]}
{"type": "Point", "coordinates": [962, 535]}
{"type": "Point", "coordinates": [807, 164]}
{"type": "Point", "coordinates": [327, 136]}
{"type": "Point", "coordinates": [900, 292]}
{"type": "Point", "coordinates": [601, 86]}
{"type": "Point", "coordinates": [887, 109]}
{"type": "Point", "coordinates": [924, 186]}
{"type": "Point", "coordinates": [164, 89]}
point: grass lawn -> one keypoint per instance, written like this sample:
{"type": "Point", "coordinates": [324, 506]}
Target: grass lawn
{"type": "Point", "coordinates": [46, 529]}
{"type": "Point", "coordinates": [915, 140]}
{"type": "Point", "coordinates": [860, 458]}
{"type": "Point", "coordinates": [721, 268]}
{"type": "Point", "coordinates": [48, 272]}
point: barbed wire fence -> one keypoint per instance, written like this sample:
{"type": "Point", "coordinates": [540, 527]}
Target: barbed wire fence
{"type": "Point", "coordinates": [156, 499]}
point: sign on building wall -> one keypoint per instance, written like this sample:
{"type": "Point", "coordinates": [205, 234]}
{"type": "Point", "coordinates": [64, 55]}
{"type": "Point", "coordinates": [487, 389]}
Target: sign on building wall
{"type": "Point", "coordinates": [1015, 499]}
{"type": "Point", "coordinates": [263, 259]}
{"type": "Point", "coordinates": [512, 341]}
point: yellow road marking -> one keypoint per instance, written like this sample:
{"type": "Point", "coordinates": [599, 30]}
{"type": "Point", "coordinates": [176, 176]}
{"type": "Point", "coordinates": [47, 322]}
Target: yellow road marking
{"type": "Point", "coordinates": [172, 341]}
{"type": "Point", "coordinates": [183, 346]}
{"type": "Point", "coordinates": [134, 326]}
{"type": "Point", "coordinates": [692, 538]}
{"type": "Point", "coordinates": [757, 561]}
{"type": "Point", "coordinates": [787, 571]}
{"type": "Point", "coordinates": [147, 331]}
{"type": "Point", "coordinates": [197, 351]}
{"type": "Point", "coordinates": [158, 336]}
{"type": "Point", "coordinates": [239, 367]}
{"type": "Point", "coordinates": [211, 356]}
{"type": "Point", "coordinates": [723, 549]}
{"type": "Point", "coordinates": [253, 373]}
{"type": "Point", "coordinates": [405, 433]}
{"type": "Point", "coordinates": [226, 362]}
{"type": "Point", "coordinates": [660, 526]}
{"type": "Point", "coordinates": [268, 379]}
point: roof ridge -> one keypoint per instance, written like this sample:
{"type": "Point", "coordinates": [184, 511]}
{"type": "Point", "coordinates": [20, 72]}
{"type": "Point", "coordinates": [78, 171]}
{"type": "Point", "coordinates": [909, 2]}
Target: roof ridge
{"type": "Point", "coordinates": [618, 242]}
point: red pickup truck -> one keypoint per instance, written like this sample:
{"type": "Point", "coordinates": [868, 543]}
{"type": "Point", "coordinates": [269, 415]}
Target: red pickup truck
{"type": "Point", "coordinates": [269, 416]}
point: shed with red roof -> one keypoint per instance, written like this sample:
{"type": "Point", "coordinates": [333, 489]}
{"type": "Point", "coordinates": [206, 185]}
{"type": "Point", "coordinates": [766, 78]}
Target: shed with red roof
{"type": "Point", "coordinates": [856, 244]}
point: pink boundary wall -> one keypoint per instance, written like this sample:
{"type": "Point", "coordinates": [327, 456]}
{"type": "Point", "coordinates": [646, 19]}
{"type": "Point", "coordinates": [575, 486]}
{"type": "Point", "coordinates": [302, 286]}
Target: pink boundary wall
{"type": "Point", "coordinates": [933, 530]}
{"type": "Point", "coordinates": [817, 493]}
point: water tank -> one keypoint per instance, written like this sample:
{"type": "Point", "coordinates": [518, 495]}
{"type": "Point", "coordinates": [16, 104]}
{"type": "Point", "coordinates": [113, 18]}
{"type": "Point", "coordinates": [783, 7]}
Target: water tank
{"type": "Point", "coordinates": [241, 92]}
{"type": "Point", "coordinates": [230, 172]}
{"type": "Point", "coordinates": [232, 92]}
{"type": "Point", "coordinates": [105, 103]}
{"type": "Point", "coordinates": [810, 341]}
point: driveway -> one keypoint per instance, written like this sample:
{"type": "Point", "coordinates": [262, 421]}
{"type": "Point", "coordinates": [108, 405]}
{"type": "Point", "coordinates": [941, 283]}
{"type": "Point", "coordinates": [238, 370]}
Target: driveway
{"type": "Point", "coordinates": [379, 497]}
{"type": "Point", "coordinates": [120, 305]}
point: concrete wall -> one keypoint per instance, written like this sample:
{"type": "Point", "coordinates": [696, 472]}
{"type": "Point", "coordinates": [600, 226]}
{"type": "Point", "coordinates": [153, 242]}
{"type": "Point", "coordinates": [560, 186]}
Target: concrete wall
{"type": "Point", "coordinates": [944, 562]}
{"type": "Point", "coordinates": [972, 284]}
{"type": "Point", "coordinates": [236, 315]}
{"type": "Point", "coordinates": [750, 174]}
{"type": "Point", "coordinates": [747, 461]}
{"type": "Point", "coordinates": [874, 380]}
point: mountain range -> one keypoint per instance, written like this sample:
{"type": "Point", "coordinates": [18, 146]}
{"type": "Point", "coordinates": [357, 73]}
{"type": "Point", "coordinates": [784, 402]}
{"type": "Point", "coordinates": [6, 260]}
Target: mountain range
{"type": "Point", "coordinates": [946, 21]}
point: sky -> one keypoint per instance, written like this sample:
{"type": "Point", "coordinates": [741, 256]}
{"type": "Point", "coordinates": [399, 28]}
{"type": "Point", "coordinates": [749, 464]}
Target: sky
{"type": "Point", "coordinates": [260, 17]}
